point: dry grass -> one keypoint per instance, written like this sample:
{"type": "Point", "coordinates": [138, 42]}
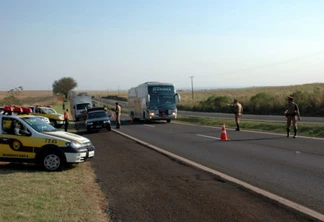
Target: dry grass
{"type": "Point", "coordinates": [29, 194]}
{"type": "Point", "coordinates": [29, 93]}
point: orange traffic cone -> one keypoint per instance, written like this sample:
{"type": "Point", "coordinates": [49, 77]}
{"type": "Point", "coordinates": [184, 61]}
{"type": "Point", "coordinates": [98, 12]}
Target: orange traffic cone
{"type": "Point", "coordinates": [223, 134]}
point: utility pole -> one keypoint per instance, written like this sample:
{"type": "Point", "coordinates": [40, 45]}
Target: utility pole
{"type": "Point", "coordinates": [192, 91]}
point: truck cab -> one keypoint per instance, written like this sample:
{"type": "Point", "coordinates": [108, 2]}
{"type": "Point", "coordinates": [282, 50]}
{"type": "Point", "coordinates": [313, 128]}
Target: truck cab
{"type": "Point", "coordinates": [27, 138]}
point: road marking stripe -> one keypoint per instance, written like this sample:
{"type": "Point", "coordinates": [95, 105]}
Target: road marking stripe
{"type": "Point", "coordinates": [211, 137]}
{"type": "Point", "coordinates": [255, 189]}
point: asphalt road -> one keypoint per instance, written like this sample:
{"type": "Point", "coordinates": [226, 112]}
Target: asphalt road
{"type": "Point", "coordinates": [144, 185]}
{"type": "Point", "coordinates": [290, 168]}
{"type": "Point", "coordinates": [266, 118]}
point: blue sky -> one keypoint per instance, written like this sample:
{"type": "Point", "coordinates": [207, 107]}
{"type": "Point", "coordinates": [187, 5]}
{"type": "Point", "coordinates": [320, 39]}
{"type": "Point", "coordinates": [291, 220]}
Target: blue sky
{"type": "Point", "coordinates": [111, 45]}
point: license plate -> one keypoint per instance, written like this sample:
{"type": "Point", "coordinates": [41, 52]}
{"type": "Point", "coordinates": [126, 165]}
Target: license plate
{"type": "Point", "coordinates": [59, 122]}
{"type": "Point", "coordinates": [98, 126]}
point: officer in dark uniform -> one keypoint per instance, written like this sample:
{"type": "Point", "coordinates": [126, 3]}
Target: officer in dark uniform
{"type": "Point", "coordinates": [292, 111]}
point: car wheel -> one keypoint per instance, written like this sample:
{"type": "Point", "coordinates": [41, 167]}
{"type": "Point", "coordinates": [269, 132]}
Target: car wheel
{"type": "Point", "coordinates": [109, 128]}
{"type": "Point", "coordinates": [168, 120]}
{"type": "Point", "coordinates": [53, 161]}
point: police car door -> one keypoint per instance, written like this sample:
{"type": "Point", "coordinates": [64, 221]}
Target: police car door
{"type": "Point", "coordinates": [15, 144]}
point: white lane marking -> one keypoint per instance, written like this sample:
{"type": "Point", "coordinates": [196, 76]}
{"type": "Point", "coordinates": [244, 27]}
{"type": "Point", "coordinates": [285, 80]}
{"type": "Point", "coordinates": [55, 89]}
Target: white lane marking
{"type": "Point", "coordinates": [211, 137]}
{"type": "Point", "coordinates": [284, 201]}
{"type": "Point", "coordinates": [148, 125]}
{"type": "Point", "coordinates": [250, 131]}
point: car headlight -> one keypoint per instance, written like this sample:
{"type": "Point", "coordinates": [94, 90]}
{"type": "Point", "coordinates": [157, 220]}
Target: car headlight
{"type": "Point", "coordinates": [151, 114]}
{"type": "Point", "coordinates": [73, 144]}
{"type": "Point", "coordinates": [106, 121]}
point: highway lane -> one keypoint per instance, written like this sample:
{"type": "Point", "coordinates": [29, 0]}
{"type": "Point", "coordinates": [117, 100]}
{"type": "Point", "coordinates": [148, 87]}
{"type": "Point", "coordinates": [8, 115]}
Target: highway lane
{"type": "Point", "coordinates": [266, 118]}
{"type": "Point", "coordinates": [291, 168]}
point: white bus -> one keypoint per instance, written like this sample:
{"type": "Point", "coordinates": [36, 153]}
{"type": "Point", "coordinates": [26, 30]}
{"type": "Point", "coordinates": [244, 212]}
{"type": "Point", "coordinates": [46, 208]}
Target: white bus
{"type": "Point", "coordinates": [153, 101]}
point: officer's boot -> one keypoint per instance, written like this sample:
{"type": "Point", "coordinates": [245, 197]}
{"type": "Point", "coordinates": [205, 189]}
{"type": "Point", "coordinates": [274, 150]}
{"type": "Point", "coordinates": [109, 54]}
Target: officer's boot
{"type": "Point", "coordinates": [237, 127]}
{"type": "Point", "coordinates": [288, 132]}
{"type": "Point", "coordinates": [295, 133]}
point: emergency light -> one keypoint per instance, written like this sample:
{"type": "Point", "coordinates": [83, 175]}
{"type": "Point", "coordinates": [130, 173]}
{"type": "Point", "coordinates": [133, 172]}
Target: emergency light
{"type": "Point", "coordinates": [15, 109]}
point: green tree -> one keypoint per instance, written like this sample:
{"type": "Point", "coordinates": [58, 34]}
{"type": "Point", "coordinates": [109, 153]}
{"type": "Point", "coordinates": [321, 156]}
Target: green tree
{"type": "Point", "coordinates": [63, 86]}
{"type": "Point", "coordinates": [12, 97]}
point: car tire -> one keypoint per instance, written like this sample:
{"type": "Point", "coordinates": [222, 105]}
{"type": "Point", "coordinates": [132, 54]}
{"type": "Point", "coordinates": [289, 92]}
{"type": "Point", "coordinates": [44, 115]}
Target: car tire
{"type": "Point", "coordinates": [53, 161]}
{"type": "Point", "coordinates": [109, 128]}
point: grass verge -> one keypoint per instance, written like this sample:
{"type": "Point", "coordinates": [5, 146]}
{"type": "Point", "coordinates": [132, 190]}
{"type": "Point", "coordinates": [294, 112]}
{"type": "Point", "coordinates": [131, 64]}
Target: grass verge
{"type": "Point", "coordinates": [311, 130]}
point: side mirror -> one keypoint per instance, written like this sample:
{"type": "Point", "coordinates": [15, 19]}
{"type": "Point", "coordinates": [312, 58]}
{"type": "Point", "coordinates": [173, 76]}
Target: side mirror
{"type": "Point", "coordinates": [177, 97]}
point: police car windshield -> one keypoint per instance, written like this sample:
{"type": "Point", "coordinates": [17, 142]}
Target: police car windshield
{"type": "Point", "coordinates": [38, 124]}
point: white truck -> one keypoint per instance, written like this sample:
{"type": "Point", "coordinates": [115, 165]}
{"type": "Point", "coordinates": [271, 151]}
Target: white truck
{"type": "Point", "coordinates": [153, 101]}
{"type": "Point", "coordinates": [78, 104]}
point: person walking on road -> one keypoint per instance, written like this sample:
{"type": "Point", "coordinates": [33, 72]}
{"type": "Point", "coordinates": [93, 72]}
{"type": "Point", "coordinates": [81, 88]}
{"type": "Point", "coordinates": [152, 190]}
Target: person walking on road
{"type": "Point", "coordinates": [238, 111]}
{"type": "Point", "coordinates": [66, 119]}
{"type": "Point", "coordinates": [118, 113]}
{"type": "Point", "coordinates": [291, 112]}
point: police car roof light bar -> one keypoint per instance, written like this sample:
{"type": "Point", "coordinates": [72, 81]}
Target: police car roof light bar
{"type": "Point", "coordinates": [15, 109]}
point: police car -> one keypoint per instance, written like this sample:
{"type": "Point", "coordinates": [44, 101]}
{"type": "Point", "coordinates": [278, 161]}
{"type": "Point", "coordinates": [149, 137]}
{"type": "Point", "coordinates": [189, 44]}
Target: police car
{"type": "Point", "coordinates": [27, 138]}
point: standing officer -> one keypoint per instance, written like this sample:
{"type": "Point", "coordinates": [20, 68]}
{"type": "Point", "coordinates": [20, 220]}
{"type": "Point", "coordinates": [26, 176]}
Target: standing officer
{"type": "Point", "coordinates": [238, 111]}
{"type": "Point", "coordinates": [291, 112]}
{"type": "Point", "coordinates": [66, 119]}
{"type": "Point", "coordinates": [118, 113]}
